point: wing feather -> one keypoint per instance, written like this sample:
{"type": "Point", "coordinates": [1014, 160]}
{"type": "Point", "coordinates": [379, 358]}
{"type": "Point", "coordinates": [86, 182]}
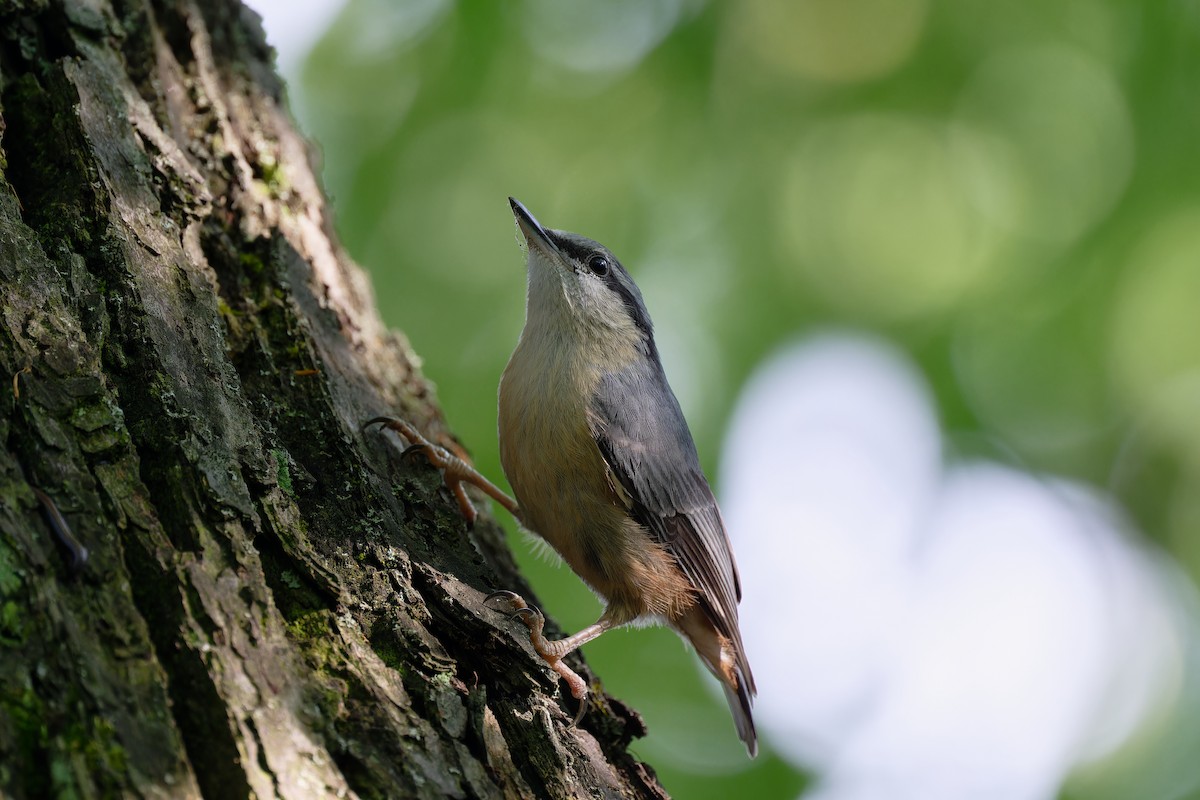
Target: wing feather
{"type": "Point", "coordinates": [650, 453]}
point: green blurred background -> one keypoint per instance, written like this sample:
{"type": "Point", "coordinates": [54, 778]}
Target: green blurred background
{"type": "Point", "coordinates": [1009, 192]}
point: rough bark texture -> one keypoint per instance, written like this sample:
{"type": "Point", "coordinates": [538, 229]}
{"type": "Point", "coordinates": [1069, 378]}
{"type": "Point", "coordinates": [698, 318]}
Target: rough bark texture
{"type": "Point", "coordinates": [275, 603]}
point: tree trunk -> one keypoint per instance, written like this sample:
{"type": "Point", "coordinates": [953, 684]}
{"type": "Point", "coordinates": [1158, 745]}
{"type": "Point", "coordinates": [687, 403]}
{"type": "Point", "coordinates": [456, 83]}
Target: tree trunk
{"type": "Point", "coordinates": [274, 603]}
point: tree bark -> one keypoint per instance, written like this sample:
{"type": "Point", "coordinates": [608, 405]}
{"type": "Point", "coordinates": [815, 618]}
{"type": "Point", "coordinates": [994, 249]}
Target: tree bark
{"type": "Point", "coordinates": [275, 603]}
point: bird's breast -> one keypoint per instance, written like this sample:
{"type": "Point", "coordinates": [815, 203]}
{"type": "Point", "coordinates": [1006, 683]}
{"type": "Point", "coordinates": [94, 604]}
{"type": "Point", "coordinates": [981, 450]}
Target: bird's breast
{"type": "Point", "coordinates": [547, 450]}
{"type": "Point", "coordinates": [551, 460]}
{"type": "Point", "coordinates": [567, 495]}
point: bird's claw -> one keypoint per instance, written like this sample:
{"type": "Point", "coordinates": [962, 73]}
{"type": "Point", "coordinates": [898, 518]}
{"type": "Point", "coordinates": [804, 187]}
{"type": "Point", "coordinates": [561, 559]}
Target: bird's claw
{"type": "Point", "coordinates": [440, 457]}
{"type": "Point", "coordinates": [423, 449]}
{"type": "Point", "coordinates": [509, 602]}
{"type": "Point", "coordinates": [512, 599]}
{"type": "Point", "coordinates": [513, 605]}
{"type": "Point", "coordinates": [455, 471]}
{"type": "Point", "coordinates": [583, 705]}
{"type": "Point", "coordinates": [528, 615]}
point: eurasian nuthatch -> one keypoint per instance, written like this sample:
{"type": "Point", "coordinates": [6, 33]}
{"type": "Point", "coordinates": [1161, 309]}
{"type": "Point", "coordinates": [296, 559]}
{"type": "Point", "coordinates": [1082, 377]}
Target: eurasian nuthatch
{"type": "Point", "coordinates": [604, 467]}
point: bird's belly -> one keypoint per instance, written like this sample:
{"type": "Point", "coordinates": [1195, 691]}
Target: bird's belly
{"type": "Point", "coordinates": [559, 479]}
{"type": "Point", "coordinates": [566, 496]}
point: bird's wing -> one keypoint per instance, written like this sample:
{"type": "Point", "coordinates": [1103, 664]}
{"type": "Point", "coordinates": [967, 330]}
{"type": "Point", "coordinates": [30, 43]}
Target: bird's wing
{"type": "Point", "coordinates": [650, 452]}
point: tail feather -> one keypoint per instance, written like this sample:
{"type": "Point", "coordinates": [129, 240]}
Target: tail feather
{"type": "Point", "coordinates": [726, 660]}
{"type": "Point", "coordinates": [740, 702]}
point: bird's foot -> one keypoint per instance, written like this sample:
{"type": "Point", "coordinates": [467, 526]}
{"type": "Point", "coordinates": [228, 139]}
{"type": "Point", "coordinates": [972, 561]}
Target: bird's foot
{"type": "Point", "coordinates": [455, 471]}
{"type": "Point", "coordinates": [552, 652]}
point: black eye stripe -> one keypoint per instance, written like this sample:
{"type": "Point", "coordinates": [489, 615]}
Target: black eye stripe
{"type": "Point", "coordinates": [581, 253]}
{"type": "Point", "coordinates": [571, 249]}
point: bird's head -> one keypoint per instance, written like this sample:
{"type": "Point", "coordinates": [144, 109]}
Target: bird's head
{"type": "Point", "coordinates": [579, 287]}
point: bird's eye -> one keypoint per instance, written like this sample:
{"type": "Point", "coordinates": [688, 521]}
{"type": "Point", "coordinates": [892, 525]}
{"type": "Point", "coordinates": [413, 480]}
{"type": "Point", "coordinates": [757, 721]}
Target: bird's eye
{"type": "Point", "coordinates": [598, 264]}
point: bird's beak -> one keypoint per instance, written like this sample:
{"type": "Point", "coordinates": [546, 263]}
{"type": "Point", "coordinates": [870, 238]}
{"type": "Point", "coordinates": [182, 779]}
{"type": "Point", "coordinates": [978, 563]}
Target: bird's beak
{"type": "Point", "coordinates": [534, 233]}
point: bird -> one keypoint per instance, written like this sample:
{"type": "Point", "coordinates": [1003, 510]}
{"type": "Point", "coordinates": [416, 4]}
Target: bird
{"type": "Point", "coordinates": [604, 468]}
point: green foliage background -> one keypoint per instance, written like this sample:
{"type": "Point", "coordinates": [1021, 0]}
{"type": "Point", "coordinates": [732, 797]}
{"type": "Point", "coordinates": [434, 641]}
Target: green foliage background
{"type": "Point", "coordinates": [1010, 192]}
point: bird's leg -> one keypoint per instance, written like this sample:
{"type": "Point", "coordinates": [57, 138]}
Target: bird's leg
{"type": "Point", "coordinates": [552, 652]}
{"type": "Point", "coordinates": [455, 471]}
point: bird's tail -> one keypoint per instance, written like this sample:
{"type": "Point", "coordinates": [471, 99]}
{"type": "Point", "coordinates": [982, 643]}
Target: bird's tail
{"type": "Point", "coordinates": [740, 696]}
{"type": "Point", "coordinates": [725, 658]}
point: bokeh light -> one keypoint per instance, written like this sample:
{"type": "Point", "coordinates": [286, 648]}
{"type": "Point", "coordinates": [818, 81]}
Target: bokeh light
{"type": "Point", "coordinates": [938, 632]}
{"type": "Point", "coordinates": [874, 214]}
{"type": "Point", "coordinates": [834, 41]}
{"type": "Point", "coordinates": [1065, 122]}
{"type": "Point", "coordinates": [590, 37]}
{"type": "Point", "coordinates": [1156, 332]}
